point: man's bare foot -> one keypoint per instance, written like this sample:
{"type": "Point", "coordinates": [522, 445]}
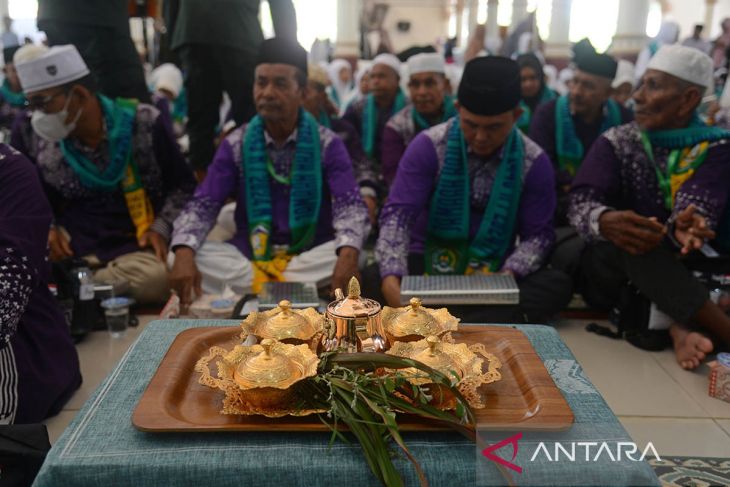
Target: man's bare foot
{"type": "Point", "coordinates": [690, 347]}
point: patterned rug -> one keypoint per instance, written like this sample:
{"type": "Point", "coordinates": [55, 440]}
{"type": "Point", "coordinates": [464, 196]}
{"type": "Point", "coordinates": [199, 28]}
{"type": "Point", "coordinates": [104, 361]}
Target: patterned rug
{"type": "Point", "coordinates": [692, 472]}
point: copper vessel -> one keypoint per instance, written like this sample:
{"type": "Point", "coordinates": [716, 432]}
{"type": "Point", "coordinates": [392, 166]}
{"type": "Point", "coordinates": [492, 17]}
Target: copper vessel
{"type": "Point", "coordinates": [353, 323]}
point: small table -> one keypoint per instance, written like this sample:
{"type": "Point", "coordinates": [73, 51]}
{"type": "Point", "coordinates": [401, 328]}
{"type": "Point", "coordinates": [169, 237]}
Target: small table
{"type": "Point", "coordinates": [101, 447]}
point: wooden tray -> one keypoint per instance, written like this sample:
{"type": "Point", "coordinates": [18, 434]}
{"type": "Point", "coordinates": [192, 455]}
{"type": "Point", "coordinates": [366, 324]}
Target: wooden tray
{"type": "Point", "coordinates": [526, 397]}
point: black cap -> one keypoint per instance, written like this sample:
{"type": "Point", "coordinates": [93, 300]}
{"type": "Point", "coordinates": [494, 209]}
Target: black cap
{"type": "Point", "coordinates": [490, 85]}
{"type": "Point", "coordinates": [8, 53]}
{"type": "Point", "coordinates": [597, 64]}
{"type": "Point", "coordinates": [281, 50]}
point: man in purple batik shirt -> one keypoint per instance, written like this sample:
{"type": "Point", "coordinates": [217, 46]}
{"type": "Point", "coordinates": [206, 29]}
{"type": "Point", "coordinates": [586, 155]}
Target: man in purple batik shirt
{"type": "Point", "coordinates": [649, 194]}
{"type": "Point", "coordinates": [39, 367]}
{"type": "Point", "coordinates": [429, 106]}
{"type": "Point", "coordinates": [339, 229]}
{"type": "Point", "coordinates": [488, 100]}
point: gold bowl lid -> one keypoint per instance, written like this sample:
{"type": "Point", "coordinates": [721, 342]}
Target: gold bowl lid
{"type": "Point", "coordinates": [273, 364]}
{"type": "Point", "coordinates": [447, 358]}
{"type": "Point", "coordinates": [353, 305]}
{"type": "Point", "coordinates": [283, 322]}
{"type": "Point", "coordinates": [437, 359]}
{"type": "Point", "coordinates": [417, 320]}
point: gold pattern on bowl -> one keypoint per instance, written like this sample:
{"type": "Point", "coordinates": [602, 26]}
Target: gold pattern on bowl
{"type": "Point", "coordinates": [258, 379]}
{"type": "Point", "coordinates": [458, 361]}
{"type": "Point", "coordinates": [284, 324]}
{"type": "Point", "coordinates": [414, 322]}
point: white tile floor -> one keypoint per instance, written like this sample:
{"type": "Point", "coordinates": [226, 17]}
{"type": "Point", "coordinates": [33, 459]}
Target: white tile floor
{"type": "Point", "coordinates": [653, 397]}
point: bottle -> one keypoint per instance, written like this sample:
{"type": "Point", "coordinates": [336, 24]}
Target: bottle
{"type": "Point", "coordinates": [84, 312]}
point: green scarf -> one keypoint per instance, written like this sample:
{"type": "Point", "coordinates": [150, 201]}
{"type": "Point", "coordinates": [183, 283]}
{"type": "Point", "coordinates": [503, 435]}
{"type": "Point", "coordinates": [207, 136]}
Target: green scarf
{"type": "Point", "coordinates": [370, 120]}
{"type": "Point", "coordinates": [449, 111]}
{"type": "Point", "coordinates": [526, 118]}
{"type": "Point", "coordinates": [180, 106]}
{"type": "Point", "coordinates": [119, 116]}
{"type": "Point", "coordinates": [447, 245]}
{"type": "Point", "coordinates": [306, 187]}
{"type": "Point", "coordinates": [16, 99]}
{"type": "Point", "coordinates": [569, 147]}
{"type": "Point", "coordinates": [324, 120]}
{"type": "Point", "coordinates": [688, 150]}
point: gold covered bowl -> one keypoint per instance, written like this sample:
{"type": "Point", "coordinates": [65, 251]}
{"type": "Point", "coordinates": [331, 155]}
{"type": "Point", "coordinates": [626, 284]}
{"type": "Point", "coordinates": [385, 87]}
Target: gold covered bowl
{"type": "Point", "coordinates": [258, 379]}
{"type": "Point", "coordinates": [285, 325]}
{"type": "Point", "coordinates": [414, 322]}
{"type": "Point", "coordinates": [458, 362]}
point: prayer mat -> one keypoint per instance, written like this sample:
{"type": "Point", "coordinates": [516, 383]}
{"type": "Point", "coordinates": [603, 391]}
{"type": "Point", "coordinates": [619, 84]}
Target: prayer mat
{"type": "Point", "coordinates": [692, 472]}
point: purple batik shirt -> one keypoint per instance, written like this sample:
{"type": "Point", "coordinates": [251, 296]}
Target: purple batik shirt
{"type": "Point", "coordinates": [343, 216]}
{"type": "Point", "coordinates": [398, 133]}
{"type": "Point", "coordinates": [617, 174]}
{"type": "Point", "coordinates": [404, 219]}
{"type": "Point", "coordinates": [39, 367]}
{"type": "Point", "coordinates": [364, 172]}
{"type": "Point", "coordinates": [542, 131]}
{"type": "Point", "coordinates": [99, 221]}
{"type": "Point", "coordinates": [353, 115]}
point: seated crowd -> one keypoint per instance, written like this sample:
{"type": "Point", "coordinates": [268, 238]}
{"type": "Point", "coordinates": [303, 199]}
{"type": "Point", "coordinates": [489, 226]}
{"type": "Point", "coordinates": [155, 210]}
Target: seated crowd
{"type": "Point", "coordinates": [586, 192]}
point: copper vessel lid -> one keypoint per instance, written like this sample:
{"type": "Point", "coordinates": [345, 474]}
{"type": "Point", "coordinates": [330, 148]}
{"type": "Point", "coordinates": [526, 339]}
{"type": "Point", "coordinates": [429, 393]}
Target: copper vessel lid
{"type": "Point", "coordinates": [270, 367]}
{"type": "Point", "coordinates": [353, 305]}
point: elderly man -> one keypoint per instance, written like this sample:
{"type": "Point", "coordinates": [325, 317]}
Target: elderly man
{"type": "Point", "coordinates": [474, 194]}
{"type": "Point", "coordinates": [370, 114]}
{"type": "Point", "coordinates": [112, 171]}
{"type": "Point", "coordinates": [567, 126]}
{"type": "Point", "coordinates": [650, 190]}
{"type": "Point", "coordinates": [39, 367]}
{"type": "Point", "coordinates": [299, 213]}
{"type": "Point", "coordinates": [12, 99]}
{"type": "Point", "coordinates": [429, 106]}
{"type": "Point", "coordinates": [317, 102]}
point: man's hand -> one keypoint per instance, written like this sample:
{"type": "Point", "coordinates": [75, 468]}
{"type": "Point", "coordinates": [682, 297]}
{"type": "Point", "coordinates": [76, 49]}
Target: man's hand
{"type": "Point", "coordinates": [158, 243]}
{"type": "Point", "coordinates": [391, 291]}
{"type": "Point", "coordinates": [59, 246]}
{"type": "Point", "coordinates": [345, 268]}
{"type": "Point", "coordinates": [185, 277]}
{"type": "Point", "coordinates": [690, 230]}
{"type": "Point", "coordinates": [631, 232]}
{"type": "Point", "coordinates": [372, 205]}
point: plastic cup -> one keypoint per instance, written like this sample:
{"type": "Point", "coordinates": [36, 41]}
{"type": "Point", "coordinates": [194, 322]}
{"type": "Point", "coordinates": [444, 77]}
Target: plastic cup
{"type": "Point", "coordinates": [116, 312]}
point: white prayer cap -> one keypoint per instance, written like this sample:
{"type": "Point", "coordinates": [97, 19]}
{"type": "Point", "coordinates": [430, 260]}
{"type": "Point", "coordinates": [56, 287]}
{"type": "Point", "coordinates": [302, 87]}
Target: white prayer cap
{"type": "Point", "coordinates": [317, 74]}
{"type": "Point", "coordinates": [167, 77]}
{"type": "Point", "coordinates": [388, 60]}
{"type": "Point", "coordinates": [686, 63]}
{"type": "Point", "coordinates": [427, 62]}
{"type": "Point", "coordinates": [624, 74]}
{"type": "Point", "coordinates": [55, 67]}
{"type": "Point", "coordinates": [28, 52]}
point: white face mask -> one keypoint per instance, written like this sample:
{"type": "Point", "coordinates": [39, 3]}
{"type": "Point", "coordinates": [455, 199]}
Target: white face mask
{"type": "Point", "coordinates": [52, 126]}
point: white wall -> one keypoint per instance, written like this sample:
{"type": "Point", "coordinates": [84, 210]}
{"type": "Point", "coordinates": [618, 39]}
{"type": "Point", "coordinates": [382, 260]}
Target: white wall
{"type": "Point", "coordinates": [429, 22]}
{"type": "Point", "coordinates": [690, 12]}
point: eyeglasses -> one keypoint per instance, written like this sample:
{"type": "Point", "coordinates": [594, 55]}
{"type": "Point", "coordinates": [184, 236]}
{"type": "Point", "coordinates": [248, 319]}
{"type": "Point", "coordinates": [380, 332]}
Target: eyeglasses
{"type": "Point", "coordinates": [39, 102]}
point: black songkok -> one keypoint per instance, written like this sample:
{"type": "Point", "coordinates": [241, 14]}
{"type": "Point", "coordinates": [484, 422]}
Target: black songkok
{"type": "Point", "coordinates": [8, 53]}
{"type": "Point", "coordinates": [597, 64]}
{"type": "Point", "coordinates": [280, 50]}
{"type": "Point", "coordinates": [490, 85]}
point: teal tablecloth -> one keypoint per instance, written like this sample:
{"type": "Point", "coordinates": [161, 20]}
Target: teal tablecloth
{"type": "Point", "coordinates": [102, 448]}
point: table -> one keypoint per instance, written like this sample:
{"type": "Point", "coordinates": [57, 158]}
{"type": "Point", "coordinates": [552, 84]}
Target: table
{"type": "Point", "coordinates": [101, 447]}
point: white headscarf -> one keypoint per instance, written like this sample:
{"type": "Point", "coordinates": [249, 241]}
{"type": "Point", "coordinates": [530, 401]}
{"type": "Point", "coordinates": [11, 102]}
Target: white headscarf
{"type": "Point", "coordinates": [338, 86]}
